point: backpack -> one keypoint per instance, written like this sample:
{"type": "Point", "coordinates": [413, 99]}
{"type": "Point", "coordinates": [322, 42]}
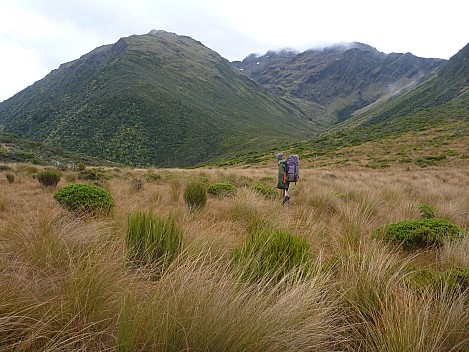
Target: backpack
{"type": "Point", "coordinates": [292, 168]}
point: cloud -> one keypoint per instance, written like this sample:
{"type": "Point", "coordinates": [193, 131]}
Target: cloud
{"type": "Point", "coordinates": [52, 32]}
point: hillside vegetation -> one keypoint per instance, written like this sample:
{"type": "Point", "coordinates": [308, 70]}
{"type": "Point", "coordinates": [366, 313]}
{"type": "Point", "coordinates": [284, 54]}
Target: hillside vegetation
{"type": "Point", "coordinates": [156, 99]}
{"type": "Point", "coordinates": [16, 149]}
{"type": "Point", "coordinates": [71, 283]}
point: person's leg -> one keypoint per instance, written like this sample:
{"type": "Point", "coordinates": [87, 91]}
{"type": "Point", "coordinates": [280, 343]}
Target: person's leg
{"type": "Point", "coordinates": [286, 197]}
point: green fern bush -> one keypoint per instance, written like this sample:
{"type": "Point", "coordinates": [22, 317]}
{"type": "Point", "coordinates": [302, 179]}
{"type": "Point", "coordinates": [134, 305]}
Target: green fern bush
{"type": "Point", "coordinates": [221, 189]}
{"type": "Point", "coordinates": [150, 239]}
{"type": "Point", "coordinates": [85, 199]}
{"type": "Point", "coordinates": [48, 178]}
{"type": "Point", "coordinates": [272, 254]}
{"type": "Point", "coordinates": [419, 234]}
{"type": "Point", "coordinates": [195, 195]}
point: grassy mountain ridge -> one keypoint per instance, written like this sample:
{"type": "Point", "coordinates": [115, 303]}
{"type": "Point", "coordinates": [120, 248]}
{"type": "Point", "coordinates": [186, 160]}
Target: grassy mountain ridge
{"type": "Point", "coordinates": [156, 99]}
{"type": "Point", "coordinates": [332, 83]}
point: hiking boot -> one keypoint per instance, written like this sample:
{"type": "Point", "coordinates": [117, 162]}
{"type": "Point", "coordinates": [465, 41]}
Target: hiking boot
{"type": "Point", "coordinates": [286, 199]}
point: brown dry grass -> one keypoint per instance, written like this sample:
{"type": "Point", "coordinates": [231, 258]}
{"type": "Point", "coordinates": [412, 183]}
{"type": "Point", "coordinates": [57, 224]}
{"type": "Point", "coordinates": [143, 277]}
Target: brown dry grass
{"type": "Point", "coordinates": [65, 285]}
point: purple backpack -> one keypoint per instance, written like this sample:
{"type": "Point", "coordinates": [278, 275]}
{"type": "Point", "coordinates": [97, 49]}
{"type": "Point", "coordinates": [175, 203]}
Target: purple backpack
{"type": "Point", "coordinates": [292, 168]}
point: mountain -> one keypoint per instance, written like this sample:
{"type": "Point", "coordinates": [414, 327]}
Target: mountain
{"type": "Point", "coordinates": [432, 116]}
{"type": "Point", "coordinates": [156, 99]}
{"type": "Point", "coordinates": [447, 85]}
{"type": "Point", "coordinates": [330, 84]}
{"type": "Point", "coordinates": [439, 103]}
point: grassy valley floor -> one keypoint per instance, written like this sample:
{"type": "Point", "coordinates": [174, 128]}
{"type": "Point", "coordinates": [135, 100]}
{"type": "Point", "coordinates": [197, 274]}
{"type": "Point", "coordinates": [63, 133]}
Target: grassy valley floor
{"type": "Point", "coordinates": [66, 282]}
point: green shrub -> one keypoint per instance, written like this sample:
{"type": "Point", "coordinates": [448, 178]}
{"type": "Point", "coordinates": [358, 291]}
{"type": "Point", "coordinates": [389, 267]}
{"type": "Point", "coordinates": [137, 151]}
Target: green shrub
{"type": "Point", "coordinates": [427, 211]}
{"type": "Point", "coordinates": [221, 189]}
{"type": "Point", "coordinates": [454, 278]}
{"type": "Point", "coordinates": [81, 167]}
{"type": "Point", "coordinates": [48, 178]}
{"type": "Point", "coordinates": [272, 253]}
{"type": "Point", "coordinates": [195, 195]}
{"type": "Point", "coordinates": [151, 240]}
{"type": "Point", "coordinates": [5, 168]}
{"type": "Point", "coordinates": [151, 176]}
{"type": "Point", "coordinates": [418, 234]}
{"type": "Point", "coordinates": [262, 189]}
{"type": "Point", "coordinates": [457, 277]}
{"type": "Point", "coordinates": [27, 169]}
{"type": "Point", "coordinates": [10, 177]}
{"type": "Point", "coordinates": [429, 160]}
{"type": "Point", "coordinates": [93, 175]}
{"type": "Point", "coordinates": [85, 199]}
{"type": "Point", "coordinates": [202, 178]}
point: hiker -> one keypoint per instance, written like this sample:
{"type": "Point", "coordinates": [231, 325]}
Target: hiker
{"type": "Point", "coordinates": [282, 182]}
{"type": "Point", "coordinates": [287, 172]}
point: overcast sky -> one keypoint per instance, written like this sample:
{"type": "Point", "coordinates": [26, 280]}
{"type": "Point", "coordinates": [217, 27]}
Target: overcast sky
{"type": "Point", "coordinates": [36, 36]}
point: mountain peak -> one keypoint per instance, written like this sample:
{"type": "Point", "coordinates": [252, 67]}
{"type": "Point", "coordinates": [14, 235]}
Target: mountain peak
{"type": "Point", "coordinates": [158, 32]}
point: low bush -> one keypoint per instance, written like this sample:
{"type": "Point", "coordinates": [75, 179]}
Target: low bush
{"type": "Point", "coordinates": [10, 177]}
{"type": "Point", "coordinates": [152, 240]}
{"type": "Point", "coordinates": [48, 178]}
{"type": "Point", "coordinates": [151, 176]}
{"type": "Point", "coordinates": [27, 169]}
{"type": "Point", "coordinates": [81, 167]}
{"type": "Point", "coordinates": [427, 211]}
{"type": "Point", "coordinates": [264, 190]}
{"type": "Point", "coordinates": [93, 175]}
{"type": "Point", "coordinates": [429, 160]}
{"type": "Point", "coordinates": [85, 199]}
{"type": "Point", "coordinates": [423, 279]}
{"type": "Point", "coordinates": [221, 189]}
{"type": "Point", "coordinates": [5, 168]}
{"type": "Point", "coordinates": [272, 254]}
{"type": "Point", "coordinates": [419, 234]}
{"type": "Point", "coordinates": [195, 195]}
{"type": "Point", "coordinates": [458, 277]}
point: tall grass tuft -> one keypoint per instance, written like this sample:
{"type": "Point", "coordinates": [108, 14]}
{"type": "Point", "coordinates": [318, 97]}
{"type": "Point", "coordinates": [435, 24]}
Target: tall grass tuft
{"type": "Point", "coordinates": [49, 178]}
{"type": "Point", "coordinates": [10, 177]}
{"type": "Point", "coordinates": [195, 195]}
{"type": "Point", "coordinates": [200, 304]}
{"type": "Point", "coordinates": [150, 239]}
{"type": "Point", "coordinates": [273, 254]}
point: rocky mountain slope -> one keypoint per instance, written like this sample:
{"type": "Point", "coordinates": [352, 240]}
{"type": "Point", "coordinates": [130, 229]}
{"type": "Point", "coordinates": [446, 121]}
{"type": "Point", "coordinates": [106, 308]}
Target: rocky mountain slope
{"type": "Point", "coordinates": [330, 84]}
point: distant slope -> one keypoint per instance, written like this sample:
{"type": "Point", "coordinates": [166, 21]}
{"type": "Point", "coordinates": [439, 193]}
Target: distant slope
{"type": "Point", "coordinates": [442, 100]}
{"type": "Point", "coordinates": [440, 103]}
{"type": "Point", "coordinates": [157, 99]}
{"type": "Point", "coordinates": [15, 149]}
{"type": "Point", "coordinates": [448, 84]}
{"type": "Point", "coordinates": [333, 83]}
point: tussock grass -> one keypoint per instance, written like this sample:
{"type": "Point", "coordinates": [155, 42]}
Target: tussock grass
{"type": "Point", "coordinates": [65, 282]}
